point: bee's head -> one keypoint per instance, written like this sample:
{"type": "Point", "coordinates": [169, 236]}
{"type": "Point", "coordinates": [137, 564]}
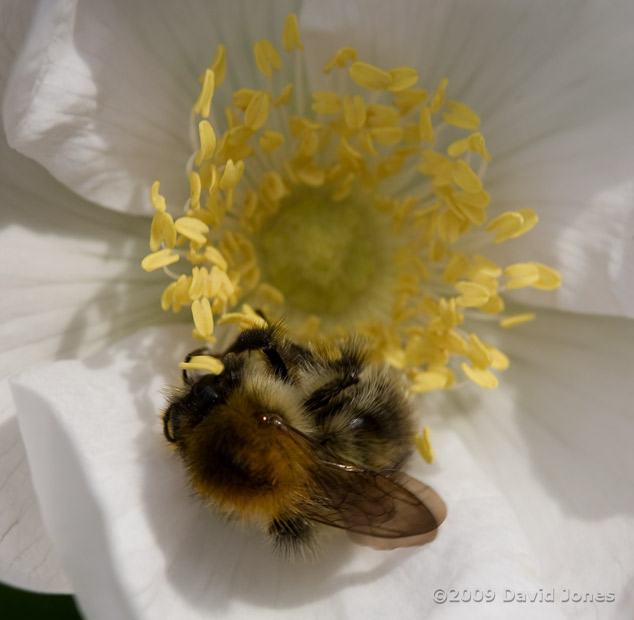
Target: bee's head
{"type": "Point", "coordinates": [203, 394]}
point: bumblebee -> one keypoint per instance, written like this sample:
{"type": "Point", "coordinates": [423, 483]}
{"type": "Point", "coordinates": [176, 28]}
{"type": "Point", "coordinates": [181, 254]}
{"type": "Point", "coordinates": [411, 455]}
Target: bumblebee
{"type": "Point", "coordinates": [290, 437]}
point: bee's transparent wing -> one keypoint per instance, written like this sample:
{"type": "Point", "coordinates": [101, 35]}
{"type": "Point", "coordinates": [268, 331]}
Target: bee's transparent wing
{"type": "Point", "coordinates": [377, 510]}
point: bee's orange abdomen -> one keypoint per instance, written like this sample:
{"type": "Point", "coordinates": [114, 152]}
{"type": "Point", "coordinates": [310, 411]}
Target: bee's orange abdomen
{"type": "Point", "coordinates": [243, 458]}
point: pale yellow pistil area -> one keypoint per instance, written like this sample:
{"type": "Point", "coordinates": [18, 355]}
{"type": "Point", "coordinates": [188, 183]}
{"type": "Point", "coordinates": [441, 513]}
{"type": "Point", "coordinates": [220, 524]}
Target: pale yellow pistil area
{"type": "Point", "coordinates": [344, 210]}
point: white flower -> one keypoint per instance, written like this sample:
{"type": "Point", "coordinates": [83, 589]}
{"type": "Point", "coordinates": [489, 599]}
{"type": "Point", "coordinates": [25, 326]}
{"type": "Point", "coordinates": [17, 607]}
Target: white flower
{"type": "Point", "coordinates": [537, 474]}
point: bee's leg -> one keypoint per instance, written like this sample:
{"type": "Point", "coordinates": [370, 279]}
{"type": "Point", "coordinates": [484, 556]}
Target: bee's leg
{"type": "Point", "coordinates": [263, 339]}
{"type": "Point", "coordinates": [323, 401]}
{"type": "Point", "coordinates": [292, 536]}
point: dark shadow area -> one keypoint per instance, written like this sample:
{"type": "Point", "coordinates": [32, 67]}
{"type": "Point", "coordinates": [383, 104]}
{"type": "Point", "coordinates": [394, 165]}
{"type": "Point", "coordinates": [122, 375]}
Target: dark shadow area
{"type": "Point", "coordinates": [19, 604]}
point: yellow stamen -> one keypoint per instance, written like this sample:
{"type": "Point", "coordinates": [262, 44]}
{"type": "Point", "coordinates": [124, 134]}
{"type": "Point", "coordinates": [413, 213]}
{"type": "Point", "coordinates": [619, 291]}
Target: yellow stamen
{"type": "Point", "coordinates": [285, 96]}
{"type": "Point", "coordinates": [193, 229]}
{"type": "Point", "coordinates": [369, 76]}
{"type": "Point", "coordinates": [402, 78]}
{"type": "Point", "coordinates": [291, 39]}
{"type": "Point", "coordinates": [203, 103]}
{"type": "Point", "coordinates": [157, 201]}
{"type": "Point", "coordinates": [438, 98]}
{"type": "Point", "coordinates": [340, 59]}
{"type": "Point", "coordinates": [461, 115]}
{"type": "Point", "coordinates": [257, 111]}
{"type": "Point", "coordinates": [203, 317]}
{"type": "Point", "coordinates": [267, 58]}
{"type": "Point", "coordinates": [270, 140]}
{"type": "Point", "coordinates": [159, 259]}
{"type": "Point", "coordinates": [218, 66]}
{"type": "Point", "coordinates": [203, 362]}
{"type": "Point", "coordinates": [162, 231]}
{"type": "Point", "coordinates": [423, 444]}
{"type": "Point", "coordinates": [207, 142]}
{"type": "Point", "coordinates": [517, 319]}
{"type": "Point", "coordinates": [480, 376]}
{"type": "Point", "coordinates": [232, 175]}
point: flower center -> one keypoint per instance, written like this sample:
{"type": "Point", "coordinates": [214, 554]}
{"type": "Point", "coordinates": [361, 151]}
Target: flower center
{"type": "Point", "coordinates": [323, 257]}
{"type": "Point", "coordinates": [344, 209]}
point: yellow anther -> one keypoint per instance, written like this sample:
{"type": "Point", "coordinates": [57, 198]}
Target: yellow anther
{"type": "Point", "coordinates": [348, 154]}
{"type": "Point", "coordinates": [481, 266]}
{"type": "Point", "coordinates": [549, 278]}
{"type": "Point", "coordinates": [311, 175]}
{"type": "Point", "coordinates": [273, 187]}
{"type": "Point", "coordinates": [246, 320]}
{"type": "Point", "coordinates": [203, 318]}
{"type": "Point", "coordinates": [192, 228]}
{"type": "Point", "coordinates": [530, 219]}
{"type": "Point", "coordinates": [272, 294]}
{"type": "Point", "coordinates": [402, 78]}
{"type": "Point", "coordinates": [477, 352]}
{"type": "Point", "coordinates": [495, 305]}
{"type": "Point", "coordinates": [290, 38]}
{"type": "Point", "coordinates": [203, 103]}
{"type": "Point", "coordinates": [465, 178]}
{"type": "Point", "coordinates": [410, 98]}
{"type": "Point", "coordinates": [162, 231]}
{"type": "Point", "coordinates": [369, 76]}
{"type": "Point", "coordinates": [512, 224]}
{"type": "Point", "coordinates": [218, 65]}
{"type": "Point", "coordinates": [159, 259]}
{"type": "Point", "coordinates": [270, 140]}
{"type": "Point", "coordinates": [267, 58]}
{"type": "Point", "coordinates": [423, 445]}
{"type": "Point", "coordinates": [480, 376]}
{"type": "Point", "coordinates": [455, 268]}
{"type": "Point", "coordinates": [340, 59]}
{"type": "Point", "coordinates": [203, 362]}
{"type": "Point", "coordinates": [242, 98]}
{"type": "Point", "coordinates": [156, 199]}
{"type": "Point", "coordinates": [499, 361]}
{"type": "Point", "coordinates": [472, 294]}
{"type": "Point", "coordinates": [379, 115]}
{"type": "Point", "coordinates": [461, 115]}
{"type": "Point", "coordinates": [521, 275]}
{"type": "Point", "coordinates": [438, 98]}
{"type": "Point", "coordinates": [231, 175]}
{"type": "Point", "coordinates": [505, 225]}
{"type": "Point", "coordinates": [285, 96]}
{"type": "Point", "coordinates": [212, 282]}
{"type": "Point", "coordinates": [231, 122]}
{"type": "Point", "coordinates": [197, 284]}
{"type": "Point", "coordinates": [354, 112]}
{"type": "Point", "coordinates": [366, 143]}
{"type": "Point", "coordinates": [207, 142]}
{"type": "Point", "coordinates": [517, 319]}
{"type": "Point", "coordinates": [180, 295]}
{"type": "Point", "coordinates": [395, 357]}
{"type": "Point", "coordinates": [477, 145]}
{"type": "Point", "coordinates": [299, 123]}
{"type": "Point", "coordinates": [167, 296]}
{"type": "Point", "coordinates": [195, 187]}
{"type": "Point", "coordinates": [387, 135]}
{"type": "Point", "coordinates": [429, 380]}
{"type": "Point", "coordinates": [425, 125]}
{"type": "Point", "coordinates": [326, 102]}
{"type": "Point", "coordinates": [257, 111]}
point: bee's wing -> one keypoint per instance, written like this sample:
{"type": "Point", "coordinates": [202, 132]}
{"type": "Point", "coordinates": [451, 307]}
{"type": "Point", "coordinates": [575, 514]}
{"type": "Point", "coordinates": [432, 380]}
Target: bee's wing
{"type": "Point", "coordinates": [377, 510]}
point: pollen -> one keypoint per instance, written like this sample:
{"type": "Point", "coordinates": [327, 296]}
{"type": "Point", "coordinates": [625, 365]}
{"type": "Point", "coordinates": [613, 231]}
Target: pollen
{"type": "Point", "coordinates": [359, 207]}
